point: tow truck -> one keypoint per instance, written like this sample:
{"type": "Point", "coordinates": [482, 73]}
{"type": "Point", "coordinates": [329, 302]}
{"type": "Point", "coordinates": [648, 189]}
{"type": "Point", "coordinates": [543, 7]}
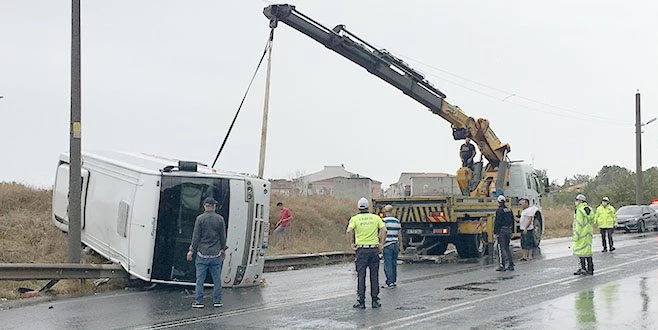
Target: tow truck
{"type": "Point", "coordinates": [430, 223]}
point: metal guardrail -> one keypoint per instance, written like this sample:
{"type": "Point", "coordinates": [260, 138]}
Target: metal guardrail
{"type": "Point", "coordinates": [277, 262]}
{"type": "Point", "coordinates": [36, 271]}
{"type": "Point", "coordinates": [29, 271]}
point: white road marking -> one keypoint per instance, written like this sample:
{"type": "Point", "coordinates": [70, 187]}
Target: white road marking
{"type": "Point", "coordinates": [436, 316]}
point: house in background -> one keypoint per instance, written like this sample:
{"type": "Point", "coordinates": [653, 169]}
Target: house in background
{"type": "Point", "coordinates": [423, 184]}
{"type": "Point", "coordinates": [282, 187]}
{"type": "Point", "coordinates": [336, 181]}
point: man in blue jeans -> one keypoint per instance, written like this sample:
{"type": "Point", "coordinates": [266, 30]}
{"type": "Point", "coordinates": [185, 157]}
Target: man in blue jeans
{"type": "Point", "coordinates": [209, 244]}
{"type": "Point", "coordinates": [392, 246]}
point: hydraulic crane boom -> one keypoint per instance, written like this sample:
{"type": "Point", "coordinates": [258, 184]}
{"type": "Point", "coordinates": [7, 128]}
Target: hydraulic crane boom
{"type": "Point", "coordinates": [397, 73]}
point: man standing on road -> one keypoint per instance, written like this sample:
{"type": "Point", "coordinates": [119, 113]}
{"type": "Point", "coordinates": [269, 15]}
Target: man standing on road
{"type": "Point", "coordinates": [366, 234]}
{"type": "Point", "coordinates": [583, 219]}
{"type": "Point", "coordinates": [503, 226]}
{"type": "Point", "coordinates": [283, 226]}
{"type": "Point", "coordinates": [392, 246]}
{"type": "Point", "coordinates": [606, 218]}
{"type": "Point", "coordinates": [526, 224]}
{"type": "Point", "coordinates": [467, 153]}
{"type": "Point", "coordinates": [209, 244]}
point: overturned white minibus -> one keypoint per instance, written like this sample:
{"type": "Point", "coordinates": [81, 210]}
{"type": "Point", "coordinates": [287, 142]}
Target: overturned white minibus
{"type": "Point", "coordinates": [139, 211]}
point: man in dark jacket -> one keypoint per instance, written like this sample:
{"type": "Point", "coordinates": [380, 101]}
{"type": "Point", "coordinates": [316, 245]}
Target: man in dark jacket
{"type": "Point", "coordinates": [209, 244]}
{"type": "Point", "coordinates": [503, 226]}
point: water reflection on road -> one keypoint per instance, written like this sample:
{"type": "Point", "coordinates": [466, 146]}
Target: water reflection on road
{"type": "Point", "coordinates": [623, 304]}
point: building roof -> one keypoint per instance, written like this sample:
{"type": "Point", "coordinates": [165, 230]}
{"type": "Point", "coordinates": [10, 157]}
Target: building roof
{"type": "Point", "coordinates": [330, 172]}
{"type": "Point", "coordinates": [340, 177]}
{"type": "Point", "coordinates": [405, 177]}
{"type": "Point", "coordinates": [281, 184]}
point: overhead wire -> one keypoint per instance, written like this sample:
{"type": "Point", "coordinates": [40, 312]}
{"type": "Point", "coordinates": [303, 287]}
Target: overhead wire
{"type": "Point", "coordinates": [508, 95]}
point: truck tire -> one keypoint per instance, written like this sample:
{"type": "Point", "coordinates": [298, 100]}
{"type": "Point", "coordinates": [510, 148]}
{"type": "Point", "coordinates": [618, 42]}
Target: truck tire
{"type": "Point", "coordinates": [470, 246]}
{"type": "Point", "coordinates": [537, 231]}
{"type": "Point", "coordinates": [438, 247]}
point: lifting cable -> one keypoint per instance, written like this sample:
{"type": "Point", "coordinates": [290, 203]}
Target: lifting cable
{"type": "Point", "coordinates": [268, 46]}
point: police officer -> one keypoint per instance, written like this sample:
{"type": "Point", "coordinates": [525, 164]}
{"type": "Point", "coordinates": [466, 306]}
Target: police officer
{"type": "Point", "coordinates": [606, 219]}
{"type": "Point", "coordinates": [503, 225]}
{"type": "Point", "coordinates": [366, 234]}
{"type": "Point", "coordinates": [583, 219]}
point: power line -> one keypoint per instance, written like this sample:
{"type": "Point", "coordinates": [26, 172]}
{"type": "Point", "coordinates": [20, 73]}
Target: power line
{"type": "Point", "coordinates": [510, 94]}
{"type": "Point", "coordinates": [574, 115]}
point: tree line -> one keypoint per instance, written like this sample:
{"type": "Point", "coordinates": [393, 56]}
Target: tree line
{"type": "Point", "coordinates": [614, 182]}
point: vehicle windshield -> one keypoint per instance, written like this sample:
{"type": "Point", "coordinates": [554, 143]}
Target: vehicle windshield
{"type": "Point", "coordinates": [630, 210]}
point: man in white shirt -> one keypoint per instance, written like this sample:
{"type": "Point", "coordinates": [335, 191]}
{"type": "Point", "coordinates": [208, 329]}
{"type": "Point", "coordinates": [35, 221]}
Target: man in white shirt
{"type": "Point", "coordinates": [527, 229]}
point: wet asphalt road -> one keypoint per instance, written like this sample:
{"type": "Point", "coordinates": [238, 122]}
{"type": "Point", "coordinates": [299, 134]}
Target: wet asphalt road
{"type": "Point", "coordinates": [539, 294]}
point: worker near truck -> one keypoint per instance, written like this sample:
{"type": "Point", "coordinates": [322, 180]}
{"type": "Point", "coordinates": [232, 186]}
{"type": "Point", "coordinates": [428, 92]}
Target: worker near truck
{"type": "Point", "coordinates": [583, 219]}
{"type": "Point", "coordinates": [366, 233]}
{"type": "Point", "coordinates": [503, 227]}
{"type": "Point", "coordinates": [467, 153]}
{"type": "Point", "coordinates": [392, 246]}
{"type": "Point", "coordinates": [526, 224]}
{"type": "Point", "coordinates": [606, 219]}
{"type": "Point", "coordinates": [209, 244]}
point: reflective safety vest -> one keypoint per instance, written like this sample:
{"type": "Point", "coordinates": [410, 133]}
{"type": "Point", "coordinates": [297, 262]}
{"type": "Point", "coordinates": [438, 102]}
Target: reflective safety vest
{"type": "Point", "coordinates": [605, 216]}
{"type": "Point", "coordinates": [583, 219]}
{"type": "Point", "coordinates": [366, 228]}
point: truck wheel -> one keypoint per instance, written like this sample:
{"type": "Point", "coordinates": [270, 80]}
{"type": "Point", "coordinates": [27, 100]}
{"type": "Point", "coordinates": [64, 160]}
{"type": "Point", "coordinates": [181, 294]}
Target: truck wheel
{"type": "Point", "coordinates": [438, 248]}
{"type": "Point", "coordinates": [470, 246]}
{"type": "Point", "coordinates": [537, 231]}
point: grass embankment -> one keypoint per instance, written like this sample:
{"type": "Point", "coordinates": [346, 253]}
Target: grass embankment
{"type": "Point", "coordinates": [558, 222]}
{"type": "Point", "coordinates": [28, 235]}
{"type": "Point", "coordinates": [318, 223]}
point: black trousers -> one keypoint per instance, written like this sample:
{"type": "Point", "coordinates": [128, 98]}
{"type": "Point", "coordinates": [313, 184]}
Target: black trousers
{"type": "Point", "coordinates": [504, 249]}
{"type": "Point", "coordinates": [607, 232]}
{"type": "Point", "coordinates": [587, 263]}
{"type": "Point", "coordinates": [367, 258]}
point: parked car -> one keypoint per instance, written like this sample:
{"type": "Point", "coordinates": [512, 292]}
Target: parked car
{"type": "Point", "coordinates": [637, 217]}
{"type": "Point", "coordinates": [654, 206]}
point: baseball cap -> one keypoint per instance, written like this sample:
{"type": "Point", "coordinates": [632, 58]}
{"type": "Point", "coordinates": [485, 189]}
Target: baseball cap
{"type": "Point", "coordinates": [209, 200]}
{"type": "Point", "coordinates": [501, 199]}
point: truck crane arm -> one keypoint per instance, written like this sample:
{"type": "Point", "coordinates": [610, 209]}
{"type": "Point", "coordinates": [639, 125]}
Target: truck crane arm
{"type": "Point", "coordinates": [397, 73]}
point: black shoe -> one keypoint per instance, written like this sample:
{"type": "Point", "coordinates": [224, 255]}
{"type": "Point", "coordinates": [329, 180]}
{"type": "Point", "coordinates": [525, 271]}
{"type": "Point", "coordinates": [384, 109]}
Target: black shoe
{"type": "Point", "coordinates": [589, 273]}
{"type": "Point", "coordinates": [510, 268]}
{"type": "Point", "coordinates": [612, 249]}
{"type": "Point", "coordinates": [606, 250]}
{"type": "Point", "coordinates": [501, 269]}
{"type": "Point", "coordinates": [360, 304]}
{"type": "Point", "coordinates": [580, 272]}
{"type": "Point", "coordinates": [376, 303]}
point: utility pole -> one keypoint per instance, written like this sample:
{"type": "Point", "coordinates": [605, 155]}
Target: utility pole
{"type": "Point", "coordinates": [75, 161]}
{"type": "Point", "coordinates": [638, 152]}
{"type": "Point", "coordinates": [266, 107]}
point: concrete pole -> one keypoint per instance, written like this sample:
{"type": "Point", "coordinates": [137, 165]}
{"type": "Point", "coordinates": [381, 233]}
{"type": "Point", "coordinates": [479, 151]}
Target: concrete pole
{"type": "Point", "coordinates": [639, 188]}
{"type": "Point", "coordinates": [75, 180]}
{"type": "Point", "coordinates": [266, 108]}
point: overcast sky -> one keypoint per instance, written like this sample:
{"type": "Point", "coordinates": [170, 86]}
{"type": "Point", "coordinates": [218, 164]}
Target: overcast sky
{"type": "Point", "coordinates": [166, 77]}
